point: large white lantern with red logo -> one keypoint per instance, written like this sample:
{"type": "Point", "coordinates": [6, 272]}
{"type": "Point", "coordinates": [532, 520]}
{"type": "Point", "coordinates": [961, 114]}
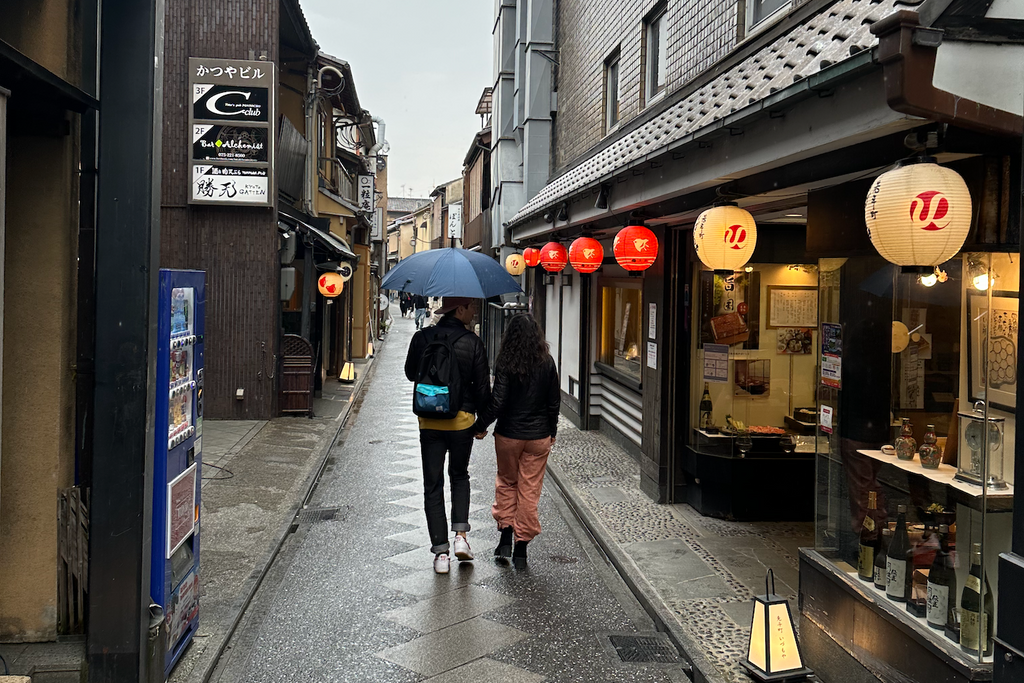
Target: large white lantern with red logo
{"type": "Point", "coordinates": [918, 214]}
{"type": "Point", "coordinates": [725, 237]}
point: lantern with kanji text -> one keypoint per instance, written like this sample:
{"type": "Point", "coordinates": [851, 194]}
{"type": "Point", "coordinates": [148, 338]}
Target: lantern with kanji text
{"type": "Point", "coordinates": [586, 254]}
{"type": "Point", "coordinates": [918, 214]}
{"type": "Point", "coordinates": [725, 237]}
{"type": "Point", "coordinates": [553, 257]}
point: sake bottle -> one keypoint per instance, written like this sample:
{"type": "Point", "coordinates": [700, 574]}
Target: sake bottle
{"type": "Point", "coordinates": [941, 584]}
{"type": "Point", "coordinates": [897, 571]}
{"type": "Point", "coordinates": [868, 540]}
{"type": "Point", "coordinates": [976, 609]}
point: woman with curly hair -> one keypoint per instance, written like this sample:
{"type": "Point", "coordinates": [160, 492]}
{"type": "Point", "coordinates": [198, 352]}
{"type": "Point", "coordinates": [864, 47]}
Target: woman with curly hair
{"type": "Point", "coordinates": [524, 401]}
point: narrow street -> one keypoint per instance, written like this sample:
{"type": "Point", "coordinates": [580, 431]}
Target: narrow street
{"type": "Point", "coordinates": [353, 597]}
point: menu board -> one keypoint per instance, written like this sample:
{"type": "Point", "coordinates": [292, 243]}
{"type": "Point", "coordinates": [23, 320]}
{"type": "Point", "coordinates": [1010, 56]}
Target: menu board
{"type": "Point", "coordinates": [792, 306]}
{"type": "Point", "coordinates": [181, 503]}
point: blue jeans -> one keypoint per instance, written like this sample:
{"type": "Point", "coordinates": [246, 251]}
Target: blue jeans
{"type": "Point", "coordinates": [434, 445]}
{"type": "Point", "coordinates": [421, 315]}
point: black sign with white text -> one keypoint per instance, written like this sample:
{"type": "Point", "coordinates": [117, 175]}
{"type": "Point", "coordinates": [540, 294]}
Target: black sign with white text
{"type": "Point", "coordinates": [229, 103]}
{"type": "Point", "coordinates": [229, 143]}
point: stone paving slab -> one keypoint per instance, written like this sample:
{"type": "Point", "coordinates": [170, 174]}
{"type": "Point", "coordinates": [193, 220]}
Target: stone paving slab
{"type": "Point", "coordinates": [336, 608]}
{"type": "Point", "coordinates": [486, 670]}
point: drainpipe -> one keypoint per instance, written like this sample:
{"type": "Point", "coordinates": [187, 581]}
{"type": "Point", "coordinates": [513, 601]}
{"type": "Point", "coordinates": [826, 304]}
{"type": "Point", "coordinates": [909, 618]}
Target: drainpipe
{"type": "Point", "coordinates": [312, 163]}
{"type": "Point", "coordinates": [381, 143]}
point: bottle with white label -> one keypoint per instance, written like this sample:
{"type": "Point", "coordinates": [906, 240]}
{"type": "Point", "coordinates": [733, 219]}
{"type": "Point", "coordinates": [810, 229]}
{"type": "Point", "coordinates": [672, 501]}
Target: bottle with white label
{"type": "Point", "coordinates": [941, 585]}
{"type": "Point", "coordinates": [976, 609]}
{"type": "Point", "coordinates": [897, 573]}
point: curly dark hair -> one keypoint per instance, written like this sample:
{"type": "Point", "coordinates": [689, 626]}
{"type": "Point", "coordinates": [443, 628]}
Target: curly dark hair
{"type": "Point", "coordinates": [523, 347]}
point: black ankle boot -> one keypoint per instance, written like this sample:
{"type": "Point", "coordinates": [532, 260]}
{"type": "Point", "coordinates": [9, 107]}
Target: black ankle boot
{"type": "Point", "coordinates": [519, 554]}
{"type": "Point", "coordinates": [504, 548]}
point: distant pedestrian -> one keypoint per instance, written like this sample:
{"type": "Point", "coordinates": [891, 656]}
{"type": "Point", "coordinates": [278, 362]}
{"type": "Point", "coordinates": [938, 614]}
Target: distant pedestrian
{"type": "Point", "coordinates": [525, 402]}
{"type": "Point", "coordinates": [404, 302]}
{"type": "Point", "coordinates": [448, 363]}
{"type": "Point", "coordinates": [419, 303]}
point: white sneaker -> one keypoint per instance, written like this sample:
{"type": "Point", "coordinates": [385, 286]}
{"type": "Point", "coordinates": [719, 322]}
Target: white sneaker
{"type": "Point", "coordinates": [462, 550]}
{"type": "Point", "coordinates": [441, 563]}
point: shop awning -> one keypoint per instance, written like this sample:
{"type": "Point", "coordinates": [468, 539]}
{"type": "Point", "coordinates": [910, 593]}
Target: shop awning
{"type": "Point", "coordinates": [336, 246]}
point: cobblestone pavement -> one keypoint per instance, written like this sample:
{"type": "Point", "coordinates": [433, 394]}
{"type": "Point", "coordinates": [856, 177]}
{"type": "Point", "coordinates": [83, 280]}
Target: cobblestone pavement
{"type": "Point", "coordinates": [705, 571]}
{"type": "Point", "coordinates": [353, 596]}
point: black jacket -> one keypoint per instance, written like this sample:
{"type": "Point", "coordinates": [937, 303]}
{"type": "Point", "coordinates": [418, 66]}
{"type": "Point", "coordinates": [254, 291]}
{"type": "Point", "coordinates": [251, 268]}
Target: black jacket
{"type": "Point", "coordinates": [471, 355]}
{"type": "Point", "coordinates": [419, 301]}
{"type": "Point", "coordinates": [524, 409]}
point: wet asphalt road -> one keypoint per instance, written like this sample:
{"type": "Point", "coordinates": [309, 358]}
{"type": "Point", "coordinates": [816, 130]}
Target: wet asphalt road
{"type": "Point", "coordinates": [355, 598]}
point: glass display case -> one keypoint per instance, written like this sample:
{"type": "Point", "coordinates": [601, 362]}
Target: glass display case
{"type": "Point", "coordinates": [754, 360]}
{"type": "Point", "coordinates": [915, 487]}
{"type": "Point", "coordinates": [622, 331]}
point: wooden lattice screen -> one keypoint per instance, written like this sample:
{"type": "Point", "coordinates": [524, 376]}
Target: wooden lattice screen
{"type": "Point", "coordinates": [73, 570]}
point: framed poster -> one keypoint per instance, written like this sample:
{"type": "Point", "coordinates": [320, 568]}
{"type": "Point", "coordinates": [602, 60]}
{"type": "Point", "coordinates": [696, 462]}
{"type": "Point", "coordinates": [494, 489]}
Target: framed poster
{"type": "Point", "coordinates": [730, 309]}
{"type": "Point", "coordinates": [790, 306]}
{"type": "Point", "coordinates": [992, 342]}
{"type": "Point", "coordinates": [181, 505]}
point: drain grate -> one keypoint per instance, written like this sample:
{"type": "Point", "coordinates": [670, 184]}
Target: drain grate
{"type": "Point", "coordinates": [644, 648]}
{"type": "Point", "coordinates": [314, 515]}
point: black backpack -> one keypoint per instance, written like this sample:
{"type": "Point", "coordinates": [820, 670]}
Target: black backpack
{"type": "Point", "coordinates": [438, 391]}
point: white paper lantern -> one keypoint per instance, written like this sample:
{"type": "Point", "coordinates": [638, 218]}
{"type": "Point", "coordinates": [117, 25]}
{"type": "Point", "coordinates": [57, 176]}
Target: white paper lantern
{"type": "Point", "coordinates": [725, 237]}
{"type": "Point", "coordinates": [918, 214]}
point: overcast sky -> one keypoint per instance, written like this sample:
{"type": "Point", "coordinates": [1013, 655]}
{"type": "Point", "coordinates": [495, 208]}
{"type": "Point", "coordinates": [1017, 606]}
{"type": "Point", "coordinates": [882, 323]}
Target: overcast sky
{"type": "Point", "coordinates": [421, 66]}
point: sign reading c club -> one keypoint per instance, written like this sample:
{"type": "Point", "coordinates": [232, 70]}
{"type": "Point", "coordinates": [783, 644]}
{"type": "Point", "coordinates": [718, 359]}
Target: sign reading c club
{"type": "Point", "coordinates": [230, 102]}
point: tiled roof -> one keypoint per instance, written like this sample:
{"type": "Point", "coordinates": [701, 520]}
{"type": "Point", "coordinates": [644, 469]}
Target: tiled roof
{"type": "Point", "coordinates": [406, 204]}
{"type": "Point", "coordinates": [824, 39]}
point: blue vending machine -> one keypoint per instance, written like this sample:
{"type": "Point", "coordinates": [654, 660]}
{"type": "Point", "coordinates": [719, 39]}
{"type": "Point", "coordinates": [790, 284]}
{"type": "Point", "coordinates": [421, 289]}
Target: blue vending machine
{"type": "Point", "coordinates": [177, 461]}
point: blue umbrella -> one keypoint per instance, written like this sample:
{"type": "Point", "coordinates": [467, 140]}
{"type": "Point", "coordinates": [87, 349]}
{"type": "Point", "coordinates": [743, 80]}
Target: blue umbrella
{"type": "Point", "coordinates": [450, 272]}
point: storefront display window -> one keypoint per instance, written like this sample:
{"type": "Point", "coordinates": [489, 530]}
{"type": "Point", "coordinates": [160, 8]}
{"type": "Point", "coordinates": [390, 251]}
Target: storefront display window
{"type": "Point", "coordinates": [622, 332]}
{"type": "Point", "coordinates": [917, 512]}
{"type": "Point", "coordinates": [754, 360]}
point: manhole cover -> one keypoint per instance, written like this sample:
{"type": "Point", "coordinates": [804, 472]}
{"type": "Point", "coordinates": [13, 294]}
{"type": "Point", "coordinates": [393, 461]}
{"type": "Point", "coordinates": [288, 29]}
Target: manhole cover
{"type": "Point", "coordinates": [644, 648]}
{"type": "Point", "coordinates": [314, 515]}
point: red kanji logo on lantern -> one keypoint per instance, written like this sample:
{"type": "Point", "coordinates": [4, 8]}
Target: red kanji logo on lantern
{"type": "Point", "coordinates": [928, 210]}
{"type": "Point", "coordinates": [736, 236]}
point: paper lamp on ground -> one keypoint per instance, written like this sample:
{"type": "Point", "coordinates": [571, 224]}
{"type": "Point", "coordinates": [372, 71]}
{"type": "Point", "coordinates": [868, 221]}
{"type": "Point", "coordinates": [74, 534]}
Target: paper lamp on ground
{"type": "Point", "coordinates": [773, 653]}
{"type": "Point", "coordinates": [348, 373]}
{"type": "Point", "coordinates": [515, 264]}
{"type": "Point", "coordinates": [725, 237]}
{"type": "Point", "coordinates": [918, 214]}
{"type": "Point", "coordinates": [532, 256]}
{"type": "Point", "coordinates": [330, 284]}
{"type": "Point", "coordinates": [553, 257]}
{"type": "Point", "coordinates": [586, 254]}
{"type": "Point", "coordinates": [635, 248]}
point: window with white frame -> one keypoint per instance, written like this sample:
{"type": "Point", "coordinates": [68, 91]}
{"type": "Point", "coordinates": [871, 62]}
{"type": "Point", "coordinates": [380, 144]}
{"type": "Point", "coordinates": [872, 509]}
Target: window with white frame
{"type": "Point", "coordinates": [759, 10]}
{"type": "Point", "coordinates": [656, 39]}
{"type": "Point", "coordinates": [611, 92]}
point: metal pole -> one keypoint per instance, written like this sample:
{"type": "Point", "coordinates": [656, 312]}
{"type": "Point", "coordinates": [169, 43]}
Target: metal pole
{"type": "Point", "coordinates": [127, 264]}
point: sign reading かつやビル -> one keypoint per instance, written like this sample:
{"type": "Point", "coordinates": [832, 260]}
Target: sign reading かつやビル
{"type": "Point", "coordinates": [231, 115]}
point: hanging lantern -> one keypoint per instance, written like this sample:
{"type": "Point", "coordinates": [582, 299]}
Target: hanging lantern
{"type": "Point", "coordinates": [635, 248]}
{"type": "Point", "coordinates": [586, 254]}
{"type": "Point", "coordinates": [772, 652]}
{"type": "Point", "coordinates": [725, 237]}
{"type": "Point", "coordinates": [330, 284]}
{"type": "Point", "coordinates": [918, 214]}
{"type": "Point", "coordinates": [553, 257]}
{"type": "Point", "coordinates": [515, 264]}
{"type": "Point", "coordinates": [532, 256]}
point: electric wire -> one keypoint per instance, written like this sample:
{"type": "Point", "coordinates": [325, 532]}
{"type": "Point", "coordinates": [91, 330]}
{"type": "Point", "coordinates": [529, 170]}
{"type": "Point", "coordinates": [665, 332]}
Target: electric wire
{"type": "Point", "coordinates": [222, 469]}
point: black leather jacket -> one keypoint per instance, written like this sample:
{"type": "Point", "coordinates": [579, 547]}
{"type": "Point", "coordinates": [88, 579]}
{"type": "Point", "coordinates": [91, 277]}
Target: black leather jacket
{"type": "Point", "coordinates": [524, 409]}
{"type": "Point", "coordinates": [472, 357]}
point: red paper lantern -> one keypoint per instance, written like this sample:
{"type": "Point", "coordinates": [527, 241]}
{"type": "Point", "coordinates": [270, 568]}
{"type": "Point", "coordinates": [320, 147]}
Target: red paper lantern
{"type": "Point", "coordinates": [586, 254]}
{"type": "Point", "coordinates": [532, 256]}
{"type": "Point", "coordinates": [635, 248]}
{"type": "Point", "coordinates": [553, 257]}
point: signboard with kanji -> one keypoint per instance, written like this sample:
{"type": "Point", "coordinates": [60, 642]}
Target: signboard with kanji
{"type": "Point", "coordinates": [231, 117]}
{"type": "Point", "coordinates": [366, 202]}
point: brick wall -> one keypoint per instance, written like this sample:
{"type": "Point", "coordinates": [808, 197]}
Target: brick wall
{"type": "Point", "coordinates": [236, 246]}
{"type": "Point", "coordinates": [699, 32]}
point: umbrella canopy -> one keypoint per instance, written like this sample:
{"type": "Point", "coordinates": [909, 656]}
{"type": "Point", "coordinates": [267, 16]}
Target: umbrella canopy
{"type": "Point", "coordinates": [450, 272]}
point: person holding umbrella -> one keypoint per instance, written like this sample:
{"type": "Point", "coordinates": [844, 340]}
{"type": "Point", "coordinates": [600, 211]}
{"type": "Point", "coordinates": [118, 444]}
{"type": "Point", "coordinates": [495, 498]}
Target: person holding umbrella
{"type": "Point", "coordinates": [448, 363]}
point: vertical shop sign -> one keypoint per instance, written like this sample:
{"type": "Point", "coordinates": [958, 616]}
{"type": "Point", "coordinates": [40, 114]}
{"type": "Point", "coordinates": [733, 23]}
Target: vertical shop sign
{"type": "Point", "coordinates": [455, 221]}
{"type": "Point", "coordinates": [652, 322]}
{"type": "Point", "coordinates": [652, 355]}
{"type": "Point", "coordinates": [366, 193]}
{"type": "Point", "coordinates": [832, 355]}
{"type": "Point", "coordinates": [231, 118]}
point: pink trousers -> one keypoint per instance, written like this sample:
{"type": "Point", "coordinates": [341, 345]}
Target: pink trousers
{"type": "Point", "coordinates": [521, 466]}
